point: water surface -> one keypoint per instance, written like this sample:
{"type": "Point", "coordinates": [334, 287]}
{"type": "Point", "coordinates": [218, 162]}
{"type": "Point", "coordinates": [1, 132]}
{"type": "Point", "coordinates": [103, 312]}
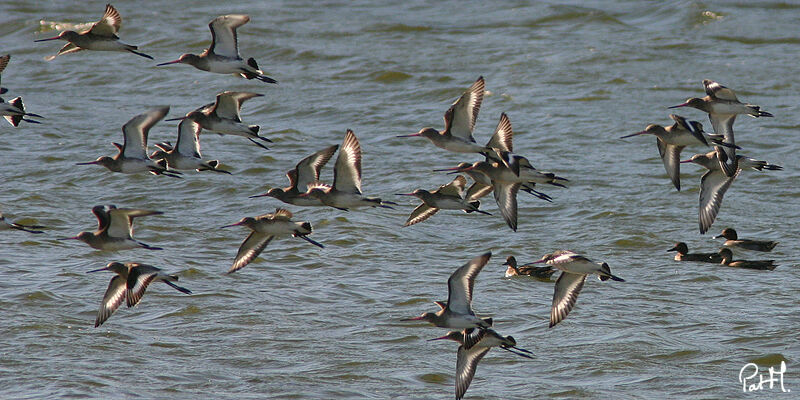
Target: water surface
{"type": "Point", "coordinates": [303, 322]}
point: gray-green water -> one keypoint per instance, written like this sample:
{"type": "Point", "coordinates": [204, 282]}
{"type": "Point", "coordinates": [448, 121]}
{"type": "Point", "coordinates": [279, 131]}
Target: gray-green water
{"type": "Point", "coordinates": [303, 322]}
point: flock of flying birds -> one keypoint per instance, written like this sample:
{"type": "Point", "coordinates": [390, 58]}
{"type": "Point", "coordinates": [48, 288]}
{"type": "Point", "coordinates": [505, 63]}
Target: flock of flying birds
{"type": "Point", "coordinates": [722, 163]}
{"type": "Point", "coordinates": [500, 172]}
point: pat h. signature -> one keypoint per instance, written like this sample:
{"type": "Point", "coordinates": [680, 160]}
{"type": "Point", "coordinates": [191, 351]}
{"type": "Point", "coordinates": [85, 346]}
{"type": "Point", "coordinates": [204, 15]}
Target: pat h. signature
{"type": "Point", "coordinates": [753, 380]}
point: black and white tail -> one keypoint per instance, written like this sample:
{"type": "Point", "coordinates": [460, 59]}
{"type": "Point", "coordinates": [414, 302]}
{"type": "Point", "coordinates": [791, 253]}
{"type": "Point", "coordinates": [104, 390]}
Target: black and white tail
{"type": "Point", "coordinates": [606, 274]}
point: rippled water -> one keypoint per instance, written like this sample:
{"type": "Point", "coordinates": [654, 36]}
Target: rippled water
{"type": "Point", "coordinates": [302, 322]}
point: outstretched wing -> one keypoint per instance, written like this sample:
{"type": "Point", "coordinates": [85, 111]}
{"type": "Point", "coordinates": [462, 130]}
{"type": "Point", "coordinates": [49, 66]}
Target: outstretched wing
{"type": "Point", "coordinates": [68, 48]}
{"type": "Point", "coordinates": [464, 112]}
{"type": "Point", "coordinates": [136, 130]}
{"type": "Point", "coordinates": [3, 63]}
{"type": "Point", "coordinates": [713, 186]}
{"type": "Point", "coordinates": [113, 297]}
{"type": "Point", "coordinates": [461, 283]}
{"type": "Point", "coordinates": [466, 364]}
{"type": "Point", "coordinates": [347, 171]}
{"type": "Point", "coordinates": [477, 190]}
{"type": "Point", "coordinates": [454, 188]}
{"type": "Point", "coordinates": [505, 195]}
{"type": "Point", "coordinates": [121, 220]}
{"type": "Point", "coordinates": [108, 26]}
{"type": "Point", "coordinates": [694, 127]}
{"type": "Point", "coordinates": [671, 157]}
{"type": "Point", "coordinates": [188, 143]}
{"type": "Point", "coordinates": [103, 218]}
{"type": "Point", "coordinates": [502, 139]}
{"type": "Point", "coordinates": [568, 286]}
{"type": "Point", "coordinates": [139, 278]}
{"type": "Point", "coordinates": [229, 104]}
{"type": "Point", "coordinates": [421, 213]}
{"type": "Point", "coordinates": [307, 170]}
{"type": "Point", "coordinates": [714, 89]}
{"type": "Point", "coordinates": [250, 249]}
{"type": "Point", "coordinates": [223, 34]}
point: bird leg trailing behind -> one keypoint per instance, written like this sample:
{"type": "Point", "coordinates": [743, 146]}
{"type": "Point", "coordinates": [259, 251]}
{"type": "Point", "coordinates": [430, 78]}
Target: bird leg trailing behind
{"type": "Point", "coordinates": [5, 225]}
